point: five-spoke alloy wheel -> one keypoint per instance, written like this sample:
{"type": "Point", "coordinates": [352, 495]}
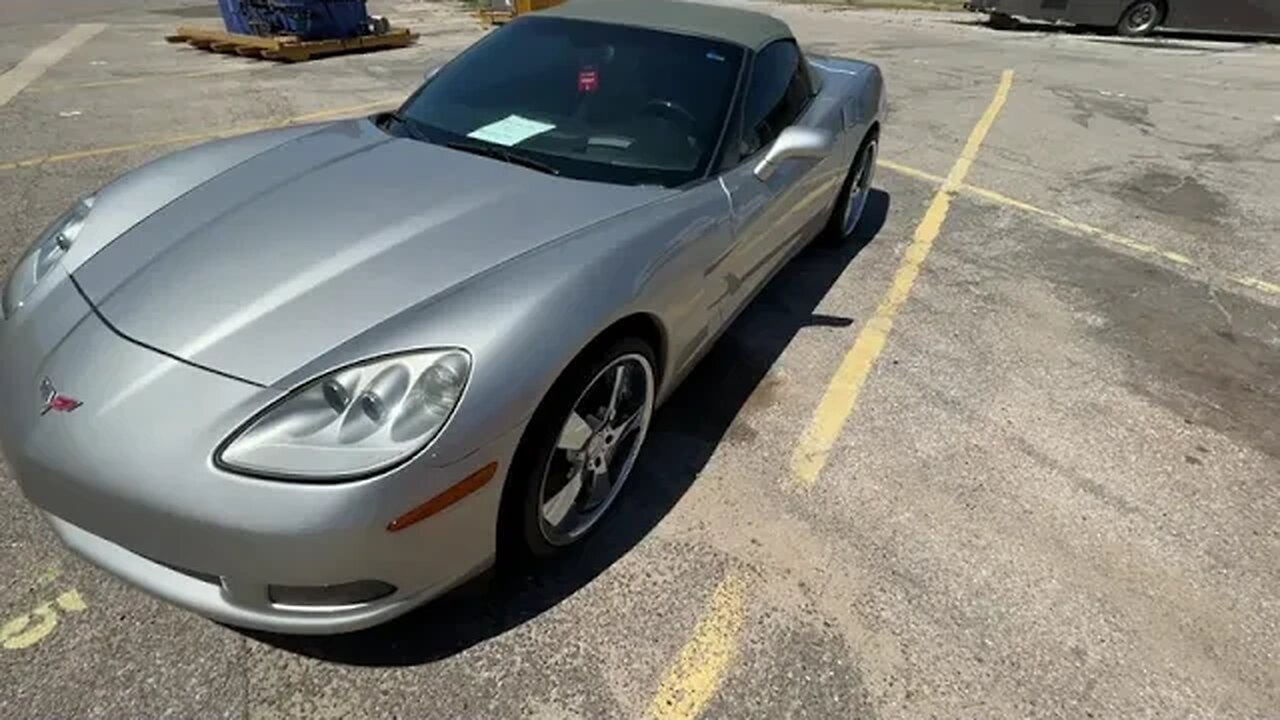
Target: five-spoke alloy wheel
{"type": "Point", "coordinates": [597, 447]}
{"type": "Point", "coordinates": [581, 447]}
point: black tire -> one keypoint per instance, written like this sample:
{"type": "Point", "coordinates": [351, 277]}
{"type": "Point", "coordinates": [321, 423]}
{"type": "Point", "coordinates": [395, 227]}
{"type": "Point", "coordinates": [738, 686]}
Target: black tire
{"type": "Point", "coordinates": [834, 231]}
{"type": "Point", "coordinates": [1140, 18]}
{"type": "Point", "coordinates": [1002, 21]}
{"type": "Point", "coordinates": [520, 534]}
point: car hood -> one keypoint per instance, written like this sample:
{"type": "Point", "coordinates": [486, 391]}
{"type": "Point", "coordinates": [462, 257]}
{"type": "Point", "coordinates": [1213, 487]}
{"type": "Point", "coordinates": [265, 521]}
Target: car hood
{"type": "Point", "coordinates": [299, 248]}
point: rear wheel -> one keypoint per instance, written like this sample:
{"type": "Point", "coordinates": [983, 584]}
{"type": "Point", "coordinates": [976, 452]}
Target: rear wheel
{"type": "Point", "coordinates": [1140, 19]}
{"type": "Point", "coordinates": [579, 450]}
{"type": "Point", "coordinates": [852, 199]}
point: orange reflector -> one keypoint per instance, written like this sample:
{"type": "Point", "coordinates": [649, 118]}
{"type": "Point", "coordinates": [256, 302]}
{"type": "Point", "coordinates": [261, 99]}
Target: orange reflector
{"type": "Point", "coordinates": [468, 485]}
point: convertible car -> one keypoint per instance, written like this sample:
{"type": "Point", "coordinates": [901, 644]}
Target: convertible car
{"type": "Point", "coordinates": [306, 379]}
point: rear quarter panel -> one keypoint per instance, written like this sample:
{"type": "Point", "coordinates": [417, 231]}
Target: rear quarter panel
{"type": "Point", "coordinates": [853, 96]}
{"type": "Point", "coordinates": [1236, 16]}
{"type": "Point", "coordinates": [851, 100]}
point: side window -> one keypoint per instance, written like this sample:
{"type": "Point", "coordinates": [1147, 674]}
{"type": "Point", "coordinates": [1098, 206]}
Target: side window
{"type": "Point", "coordinates": [778, 93]}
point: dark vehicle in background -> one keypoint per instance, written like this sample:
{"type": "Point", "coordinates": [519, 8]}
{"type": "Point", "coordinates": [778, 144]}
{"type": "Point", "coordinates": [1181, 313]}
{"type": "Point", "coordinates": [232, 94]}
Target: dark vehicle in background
{"type": "Point", "coordinates": [1140, 17]}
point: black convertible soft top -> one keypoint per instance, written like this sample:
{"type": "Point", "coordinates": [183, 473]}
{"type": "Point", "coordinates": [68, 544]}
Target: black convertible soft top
{"type": "Point", "coordinates": [749, 29]}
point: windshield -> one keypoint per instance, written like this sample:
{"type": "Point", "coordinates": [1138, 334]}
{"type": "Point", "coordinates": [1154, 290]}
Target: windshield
{"type": "Point", "coordinates": [584, 100]}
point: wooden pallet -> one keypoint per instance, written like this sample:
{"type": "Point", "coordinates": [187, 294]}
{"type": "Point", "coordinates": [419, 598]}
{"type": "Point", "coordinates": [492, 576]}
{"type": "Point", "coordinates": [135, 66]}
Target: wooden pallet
{"type": "Point", "coordinates": [286, 47]}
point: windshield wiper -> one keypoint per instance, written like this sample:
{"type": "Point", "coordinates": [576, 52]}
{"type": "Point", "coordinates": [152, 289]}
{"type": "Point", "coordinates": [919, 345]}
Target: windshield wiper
{"type": "Point", "coordinates": [500, 153]}
{"type": "Point", "coordinates": [410, 127]}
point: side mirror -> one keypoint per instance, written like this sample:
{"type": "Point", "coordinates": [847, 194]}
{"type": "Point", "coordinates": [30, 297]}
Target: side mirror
{"type": "Point", "coordinates": [795, 142]}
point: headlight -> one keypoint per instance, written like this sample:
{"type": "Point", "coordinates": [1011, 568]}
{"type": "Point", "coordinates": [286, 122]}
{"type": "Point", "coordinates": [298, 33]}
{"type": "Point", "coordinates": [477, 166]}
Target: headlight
{"type": "Point", "coordinates": [42, 255]}
{"type": "Point", "coordinates": [355, 421]}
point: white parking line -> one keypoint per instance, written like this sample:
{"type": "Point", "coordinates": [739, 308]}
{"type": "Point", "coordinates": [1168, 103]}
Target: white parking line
{"type": "Point", "coordinates": [42, 58]}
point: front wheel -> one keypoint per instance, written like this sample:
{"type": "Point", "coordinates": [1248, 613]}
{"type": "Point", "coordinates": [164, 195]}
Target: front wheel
{"type": "Point", "coordinates": [852, 199]}
{"type": "Point", "coordinates": [580, 448]}
{"type": "Point", "coordinates": [1140, 19]}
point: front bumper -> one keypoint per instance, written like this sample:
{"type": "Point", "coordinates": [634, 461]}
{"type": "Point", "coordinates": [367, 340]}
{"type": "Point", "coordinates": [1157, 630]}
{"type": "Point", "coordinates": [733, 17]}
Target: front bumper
{"type": "Point", "coordinates": [222, 600]}
{"type": "Point", "coordinates": [127, 480]}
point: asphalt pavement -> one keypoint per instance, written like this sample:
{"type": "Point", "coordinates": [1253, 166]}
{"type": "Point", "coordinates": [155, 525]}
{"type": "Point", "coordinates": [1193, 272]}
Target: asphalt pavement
{"type": "Point", "coordinates": [1055, 495]}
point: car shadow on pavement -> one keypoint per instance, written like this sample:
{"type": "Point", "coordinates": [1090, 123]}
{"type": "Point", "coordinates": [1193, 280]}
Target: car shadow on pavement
{"type": "Point", "coordinates": [685, 433]}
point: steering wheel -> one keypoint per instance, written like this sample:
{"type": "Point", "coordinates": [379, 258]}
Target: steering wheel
{"type": "Point", "coordinates": [668, 108]}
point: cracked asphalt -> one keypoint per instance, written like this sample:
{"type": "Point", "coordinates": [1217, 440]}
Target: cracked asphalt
{"type": "Point", "coordinates": [1056, 497]}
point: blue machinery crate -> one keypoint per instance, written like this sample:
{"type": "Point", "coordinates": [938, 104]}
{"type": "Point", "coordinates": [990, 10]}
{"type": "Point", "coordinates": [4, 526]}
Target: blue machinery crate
{"type": "Point", "coordinates": [288, 48]}
{"type": "Point", "coordinates": [303, 19]}
{"type": "Point", "coordinates": [232, 17]}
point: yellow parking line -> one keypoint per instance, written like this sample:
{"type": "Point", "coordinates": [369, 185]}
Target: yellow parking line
{"type": "Point", "coordinates": [1070, 224]}
{"type": "Point", "coordinates": [51, 573]}
{"type": "Point", "coordinates": [910, 171]}
{"type": "Point", "coordinates": [700, 668]}
{"type": "Point", "coordinates": [841, 397]}
{"type": "Point", "coordinates": [1256, 284]}
{"type": "Point", "coordinates": [27, 629]}
{"type": "Point", "coordinates": [195, 137]}
{"type": "Point", "coordinates": [1083, 228]}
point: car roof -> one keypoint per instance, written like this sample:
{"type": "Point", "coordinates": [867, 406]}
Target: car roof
{"type": "Point", "coordinates": [747, 28]}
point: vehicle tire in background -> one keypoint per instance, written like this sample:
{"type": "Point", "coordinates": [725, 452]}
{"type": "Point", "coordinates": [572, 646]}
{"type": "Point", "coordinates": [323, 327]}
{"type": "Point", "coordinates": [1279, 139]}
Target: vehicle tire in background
{"type": "Point", "coordinates": [1140, 18]}
{"type": "Point", "coordinates": [589, 429]}
{"type": "Point", "coordinates": [852, 200]}
{"type": "Point", "coordinates": [1002, 21]}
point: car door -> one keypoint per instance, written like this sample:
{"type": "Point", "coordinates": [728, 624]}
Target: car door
{"type": "Point", "coordinates": [768, 217]}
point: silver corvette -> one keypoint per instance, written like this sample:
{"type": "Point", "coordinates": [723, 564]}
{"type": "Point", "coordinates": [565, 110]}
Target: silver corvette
{"type": "Point", "coordinates": [306, 379]}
